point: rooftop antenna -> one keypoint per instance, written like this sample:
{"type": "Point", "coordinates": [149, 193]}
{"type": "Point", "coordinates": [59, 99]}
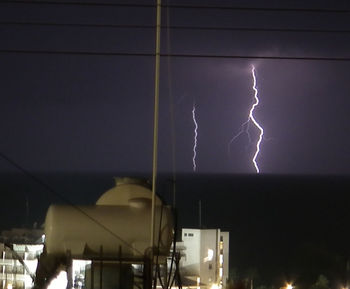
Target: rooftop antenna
{"type": "Point", "coordinates": [200, 214]}
{"type": "Point", "coordinates": [27, 212]}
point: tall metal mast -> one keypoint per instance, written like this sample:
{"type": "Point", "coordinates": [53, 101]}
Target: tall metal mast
{"type": "Point", "coordinates": [155, 128]}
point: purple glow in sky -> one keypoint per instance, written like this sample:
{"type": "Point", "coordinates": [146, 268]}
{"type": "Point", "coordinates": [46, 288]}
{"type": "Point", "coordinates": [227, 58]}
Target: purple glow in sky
{"type": "Point", "coordinates": [90, 108]}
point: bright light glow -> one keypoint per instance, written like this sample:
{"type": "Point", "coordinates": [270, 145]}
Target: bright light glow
{"type": "Point", "coordinates": [210, 255]}
{"type": "Point", "coordinates": [221, 259]}
{"type": "Point", "coordinates": [220, 272]}
{"type": "Point", "coordinates": [245, 125]}
{"type": "Point", "coordinates": [60, 282]}
{"type": "Point", "coordinates": [214, 286]}
{"type": "Point", "coordinates": [198, 282]}
{"type": "Point", "coordinates": [289, 286]}
{"type": "Point", "coordinates": [195, 138]}
{"type": "Point", "coordinates": [78, 267]}
{"type": "Point", "coordinates": [31, 264]}
{"type": "Point", "coordinates": [9, 286]}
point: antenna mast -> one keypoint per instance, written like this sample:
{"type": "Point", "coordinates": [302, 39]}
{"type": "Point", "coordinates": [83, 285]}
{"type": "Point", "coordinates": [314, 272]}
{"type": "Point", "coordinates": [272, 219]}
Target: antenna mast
{"type": "Point", "coordinates": [155, 128]}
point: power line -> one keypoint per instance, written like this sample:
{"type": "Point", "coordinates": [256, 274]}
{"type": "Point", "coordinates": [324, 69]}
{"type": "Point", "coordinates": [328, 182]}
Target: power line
{"type": "Point", "coordinates": [260, 57]}
{"type": "Point", "coordinates": [87, 25]}
{"type": "Point", "coordinates": [173, 27]}
{"type": "Point", "coordinates": [259, 9]}
{"type": "Point", "coordinates": [253, 29]}
{"type": "Point", "coordinates": [175, 55]}
{"type": "Point", "coordinates": [78, 3]}
{"type": "Point", "coordinates": [55, 193]}
{"type": "Point", "coordinates": [177, 6]}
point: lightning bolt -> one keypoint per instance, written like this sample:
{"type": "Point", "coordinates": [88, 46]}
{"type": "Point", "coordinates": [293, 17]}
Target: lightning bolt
{"type": "Point", "coordinates": [244, 129]}
{"type": "Point", "coordinates": [251, 116]}
{"type": "Point", "coordinates": [245, 125]}
{"type": "Point", "coordinates": [195, 138]}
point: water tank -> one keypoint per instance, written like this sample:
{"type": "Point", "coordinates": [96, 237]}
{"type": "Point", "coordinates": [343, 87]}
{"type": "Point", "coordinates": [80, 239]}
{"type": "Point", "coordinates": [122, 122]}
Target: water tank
{"type": "Point", "coordinates": [119, 224]}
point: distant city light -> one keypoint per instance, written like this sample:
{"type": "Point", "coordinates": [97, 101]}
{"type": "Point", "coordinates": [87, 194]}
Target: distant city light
{"type": "Point", "coordinates": [289, 286]}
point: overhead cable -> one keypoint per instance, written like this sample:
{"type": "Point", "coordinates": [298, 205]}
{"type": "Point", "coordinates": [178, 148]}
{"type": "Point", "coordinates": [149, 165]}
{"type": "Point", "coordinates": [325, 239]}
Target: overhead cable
{"type": "Point", "coordinates": [178, 6]}
{"type": "Point", "coordinates": [173, 27]}
{"type": "Point", "coordinates": [175, 55]}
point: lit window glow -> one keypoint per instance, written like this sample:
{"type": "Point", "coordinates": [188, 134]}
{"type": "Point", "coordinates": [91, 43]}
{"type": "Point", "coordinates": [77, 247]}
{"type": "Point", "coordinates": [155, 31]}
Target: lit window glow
{"type": "Point", "coordinates": [210, 255]}
{"type": "Point", "coordinates": [60, 282]}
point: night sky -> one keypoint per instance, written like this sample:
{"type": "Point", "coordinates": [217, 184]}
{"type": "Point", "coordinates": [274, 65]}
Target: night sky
{"type": "Point", "coordinates": [76, 115]}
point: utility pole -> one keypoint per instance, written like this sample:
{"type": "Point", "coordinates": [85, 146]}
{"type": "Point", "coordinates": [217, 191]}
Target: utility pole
{"type": "Point", "coordinates": [155, 127]}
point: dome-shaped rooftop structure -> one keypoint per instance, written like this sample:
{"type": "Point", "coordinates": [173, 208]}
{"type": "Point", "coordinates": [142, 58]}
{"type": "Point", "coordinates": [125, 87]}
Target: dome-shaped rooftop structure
{"type": "Point", "coordinates": [128, 192]}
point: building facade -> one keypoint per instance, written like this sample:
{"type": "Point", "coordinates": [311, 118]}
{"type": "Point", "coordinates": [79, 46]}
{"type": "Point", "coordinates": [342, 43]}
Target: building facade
{"type": "Point", "coordinates": [20, 249]}
{"type": "Point", "coordinates": [204, 259]}
{"type": "Point", "coordinates": [18, 264]}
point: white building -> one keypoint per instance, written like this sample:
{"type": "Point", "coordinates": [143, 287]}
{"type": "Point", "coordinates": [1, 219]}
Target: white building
{"type": "Point", "coordinates": [20, 249]}
{"type": "Point", "coordinates": [18, 265]}
{"type": "Point", "coordinates": [204, 259]}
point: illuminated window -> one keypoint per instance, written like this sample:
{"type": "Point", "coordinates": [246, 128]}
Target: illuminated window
{"type": "Point", "coordinates": [210, 255]}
